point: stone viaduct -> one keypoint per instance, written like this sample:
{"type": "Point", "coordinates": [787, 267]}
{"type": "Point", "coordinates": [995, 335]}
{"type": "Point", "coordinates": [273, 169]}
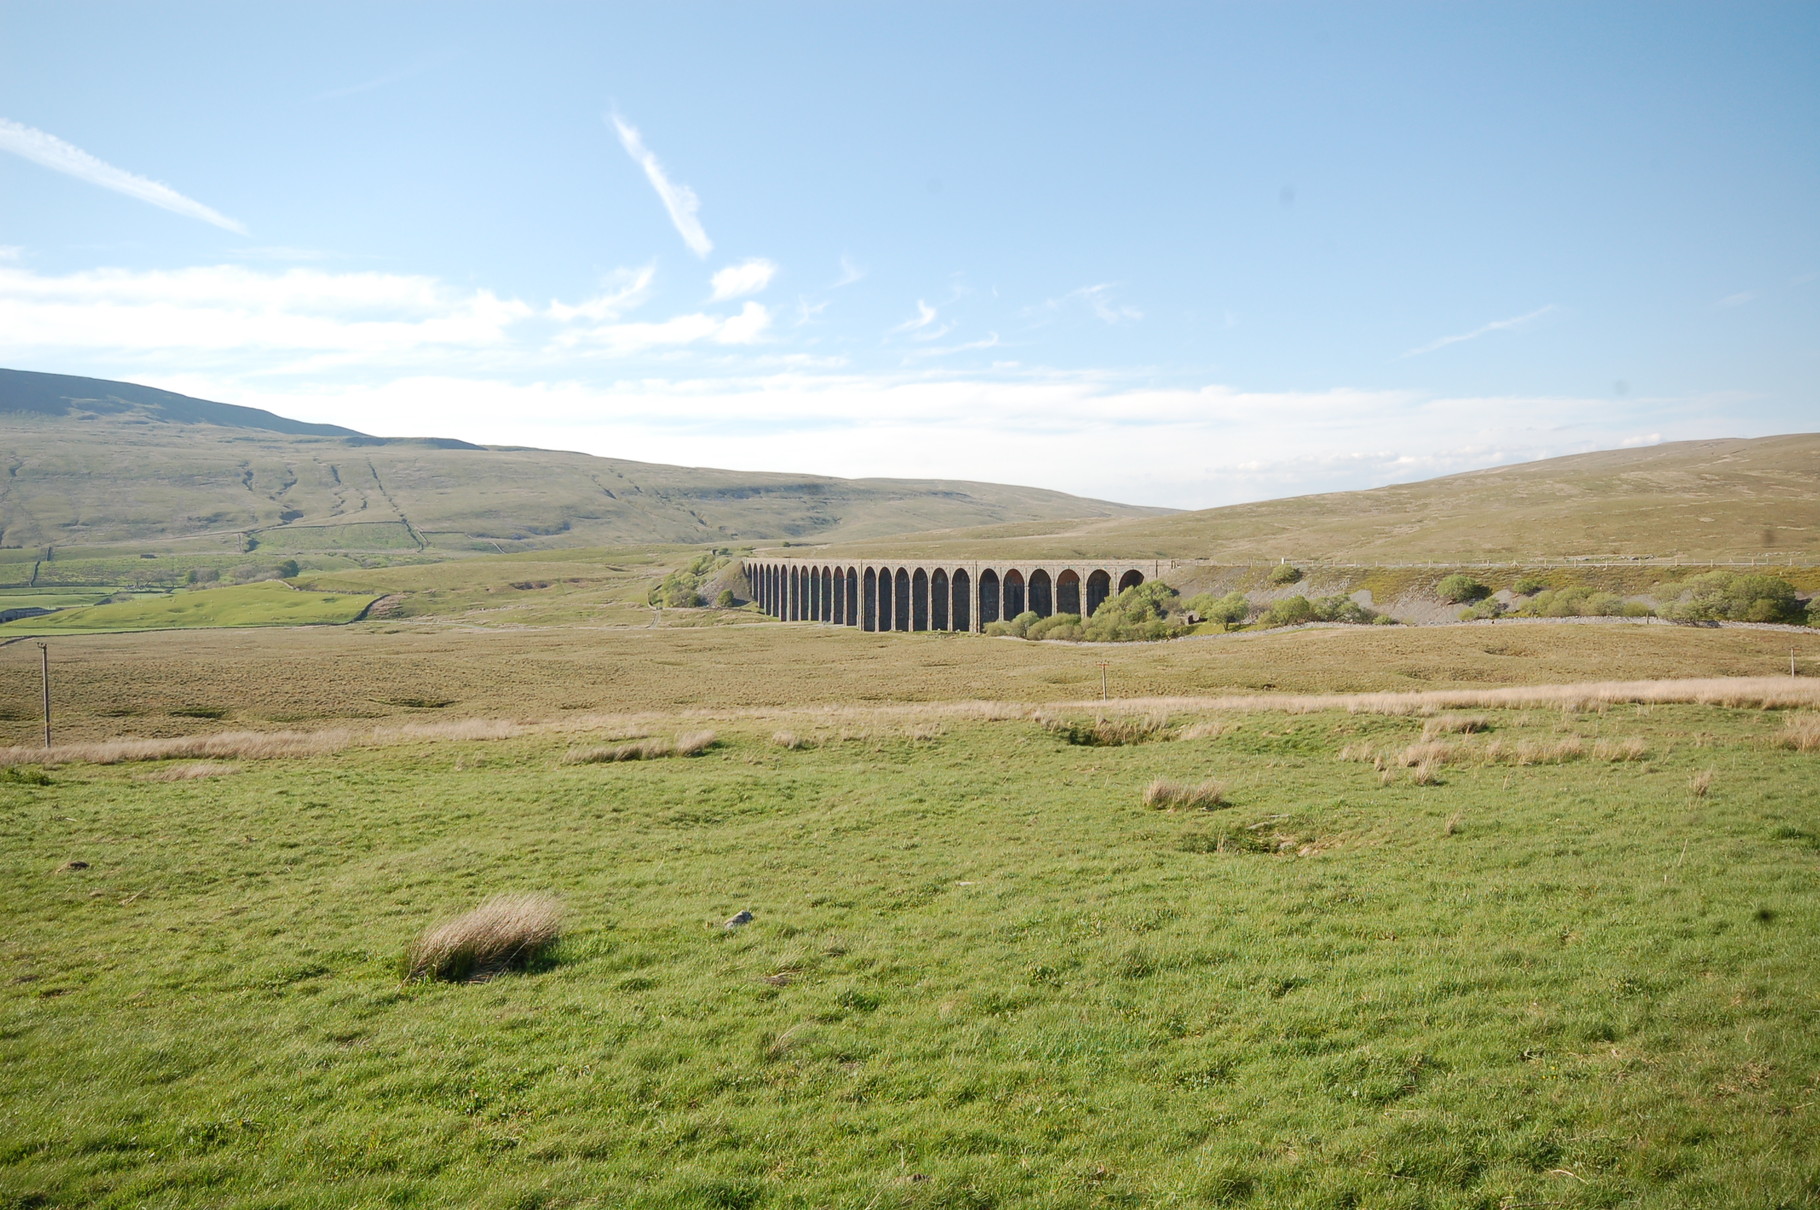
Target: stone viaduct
{"type": "Point", "coordinates": [926, 594]}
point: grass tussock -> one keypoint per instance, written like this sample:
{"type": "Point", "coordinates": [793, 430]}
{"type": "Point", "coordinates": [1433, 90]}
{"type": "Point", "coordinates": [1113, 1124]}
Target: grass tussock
{"type": "Point", "coordinates": [1167, 795]}
{"type": "Point", "coordinates": [694, 743]}
{"type": "Point", "coordinates": [689, 743]}
{"type": "Point", "coordinates": [263, 745]}
{"type": "Point", "coordinates": [654, 748]}
{"type": "Point", "coordinates": [506, 933]}
{"type": "Point", "coordinates": [788, 739]}
{"type": "Point", "coordinates": [1617, 750]}
{"type": "Point", "coordinates": [1801, 732]}
{"type": "Point", "coordinates": [1701, 783]}
{"type": "Point", "coordinates": [1208, 730]}
{"type": "Point", "coordinates": [1114, 732]}
{"type": "Point", "coordinates": [1455, 724]}
{"type": "Point", "coordinates": [189, 771]}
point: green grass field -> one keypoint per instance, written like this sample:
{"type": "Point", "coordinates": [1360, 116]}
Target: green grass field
{"type": "Point", "coordinates": [981, 973]}
{"type": "Point", "coordinates": [270, 603]}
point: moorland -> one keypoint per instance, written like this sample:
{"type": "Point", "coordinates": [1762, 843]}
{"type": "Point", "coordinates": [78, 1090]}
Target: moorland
{"type": "Point", "coordinates": [1513, 913]}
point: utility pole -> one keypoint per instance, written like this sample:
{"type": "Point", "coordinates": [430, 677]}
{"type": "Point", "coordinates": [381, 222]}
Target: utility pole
{"type": "Point", "coordinates": [44, 655]}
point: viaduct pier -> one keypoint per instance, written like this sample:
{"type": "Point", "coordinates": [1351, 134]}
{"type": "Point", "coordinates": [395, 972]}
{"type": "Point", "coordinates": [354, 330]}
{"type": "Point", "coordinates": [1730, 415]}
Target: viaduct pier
{"type": "Point", "coordinates": [927, 594]}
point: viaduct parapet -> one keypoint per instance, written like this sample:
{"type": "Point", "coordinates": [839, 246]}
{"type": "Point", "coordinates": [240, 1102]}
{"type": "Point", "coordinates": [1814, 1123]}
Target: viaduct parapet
{"type": "Point", "coordinates": [927, 594]}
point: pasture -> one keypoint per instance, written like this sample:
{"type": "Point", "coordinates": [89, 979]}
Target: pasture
{"type": "Point", "coordinates": [1461, 947]}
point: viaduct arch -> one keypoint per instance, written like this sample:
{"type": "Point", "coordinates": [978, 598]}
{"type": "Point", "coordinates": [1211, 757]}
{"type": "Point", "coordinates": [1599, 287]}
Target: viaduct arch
{"type": "Point", "coordinates": [929, 594]}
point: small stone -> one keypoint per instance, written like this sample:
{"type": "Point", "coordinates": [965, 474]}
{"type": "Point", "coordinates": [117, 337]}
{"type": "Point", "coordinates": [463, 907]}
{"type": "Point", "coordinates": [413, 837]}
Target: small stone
{"type": "Point", "coordinates": [73, 865]}
{"type": "Point", "coordinates": [744, 917]}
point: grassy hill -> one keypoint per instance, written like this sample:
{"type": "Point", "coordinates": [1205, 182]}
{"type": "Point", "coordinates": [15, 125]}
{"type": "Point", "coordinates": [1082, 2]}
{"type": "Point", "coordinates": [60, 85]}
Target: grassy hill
{"type": "Point", "coordinates": [1695, 500]}
{"type": "Point", "coordinates": [124, 471]}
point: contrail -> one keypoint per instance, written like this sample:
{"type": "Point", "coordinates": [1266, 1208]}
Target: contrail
{"type": "Point", "coordinates": [53, 152]}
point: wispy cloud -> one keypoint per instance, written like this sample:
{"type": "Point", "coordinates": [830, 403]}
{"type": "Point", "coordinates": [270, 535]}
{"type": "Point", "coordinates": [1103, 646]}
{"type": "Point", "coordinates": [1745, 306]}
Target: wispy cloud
{"type": "Point", "coordinates": [990, 342]}
{"type": "Point", "coordinates": [1496, 325]}
{"type": "Point", "coordinates": [678, 199]}
{"type": "Point", "coordinates": [1097, 299]}
{"type": "Point", "coordinates": [748, 327]}
{"type": "Point", "coordinates": [747, 277]}
{"type": "Point", "coordinates": [1738, 299]}
{"type": "Point", "coordinates": [383, 81]}
{"type": "Point", "coordinates": [849, 273]}
{"type": "Point", "coordinates": [920, 327]}
{"type": "Point", "coordinates": [626, 288]}
{"type": "Point", "coordinates": [54, 153]}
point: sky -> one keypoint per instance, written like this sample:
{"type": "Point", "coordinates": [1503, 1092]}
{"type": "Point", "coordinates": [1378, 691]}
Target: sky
{"type": "Point", "coordinates": [1168, 254]}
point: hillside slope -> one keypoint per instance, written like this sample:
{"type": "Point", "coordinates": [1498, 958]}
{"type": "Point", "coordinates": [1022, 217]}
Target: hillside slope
{"type": "Point", "coordinates": [96, 463]}
{"type": "Point", "coordinates": [1697, 500]}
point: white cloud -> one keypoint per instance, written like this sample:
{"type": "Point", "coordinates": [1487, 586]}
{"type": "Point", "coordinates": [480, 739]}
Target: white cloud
{"type": "Point", "coordinates": [748, 327]}
{"type": "Point", "coordinates": [991, 342]}
{"type": "Point", "coordinates": [925, 315]}
{"type": "Point", "coordinates": [678, 199]}
{"type": "Point", "coordinates": [626, 289]}
{"type": "Point", "coordinates": [849, 273]}
{"type": "Point", "coordinates": [1737, 300]}
{"type": "Point", "coordinates": [920, 327]}
{"type": "Point", "coordinates": [10, 252]}
{"type": "Point", "coordinates": [1496, 325]}
{"type": "Point", "coordinates": [1189, 447]}
{"type": "Point", "coordinates": [54, 153]}
{"type": "Point", "coordinates": [747, 277]}
{"type": "Point", "coordinates": [1098, 300]}
{"type": "Point", "coordinates": [226, 308]}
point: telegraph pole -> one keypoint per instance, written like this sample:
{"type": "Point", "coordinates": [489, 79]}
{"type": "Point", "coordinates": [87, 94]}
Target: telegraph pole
{"type": "Point", "coordinates": [44, 655]}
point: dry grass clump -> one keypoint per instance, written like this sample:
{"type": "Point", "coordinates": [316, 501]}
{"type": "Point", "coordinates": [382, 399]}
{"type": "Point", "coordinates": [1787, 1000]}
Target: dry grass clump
{"type": "Point", "coordinates": [1426, 773]}
{"type": "Point", "coordinates": [1534, 751]}
{"type": "Point", "coordinates": [639, 749]}
{"type": "Point", "coordinates": [1208, 730]}
{"type": "Point", "coordinates": [788, 739]}
{"type": "Point", "coordinates": [1166, 795]}
{"type": "Point", "coordinates": [505, 933]}
{"type": "Point", "coordinates": [689, 743]}
{"type": "Point", "coordinates": [694, 743]}
{"type": "Point", "coordinates": [1455, 724]}
{"type": "Point", "coordinates": [1701, 783]}
{"type": "Point", "coordinates": [189, 772]}
{"type": "Point", "coordinates": [263, 745]}
{"type": "Point", "coordinates": [1620, 749]}
{"type": "Point", "coordinates": [1801, 732]}
{"type": "Point", "coordinates": [1432, 754]}
{"type": "Point", "coordinates": [1108, 732]}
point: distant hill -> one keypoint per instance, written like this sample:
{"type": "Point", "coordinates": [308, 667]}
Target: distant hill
{"type": "Point", "coordinates": [1698, 500]}
{"type": "Point", "coordinates": [64, 395]}
{"type": "Point", "coordinates": [93, 463]}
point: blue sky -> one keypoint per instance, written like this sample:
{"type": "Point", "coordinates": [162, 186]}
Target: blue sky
{"type": "Point", "coordinates": [1171, 254]}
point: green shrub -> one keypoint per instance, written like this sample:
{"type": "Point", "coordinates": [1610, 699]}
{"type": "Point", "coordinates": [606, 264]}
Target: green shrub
{"type": "Point", "coordinates": [1459, 589]}
{"type": "Point", "coordinates": [1490, 607]}
{"type": "Point", "coordinates": [1341, 608]}
{"type": "Point", "coordinates": [1057, 626]}
{"type": "Point", "coordinates": [1530, 585]}
{"type": "Point", "coordinates": [1293, 611]}
{"type": "Point", "coordinates": [1018, 627]}
{"type": "Point", "coordinates": [725, 599]}
{"type": "Point", "coordinates": [1232, 608]}
{"type": "Point", "coordinates": [1576, 602]}
{"type": "Point", "coordinates": [1138, 614]}
{"type": "Point", "coordinates": [1724, 596]}
{"type": "Point", "coordinates": [1284, 573]}
{"type": "Point", "coordinates": [1290, 611]}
